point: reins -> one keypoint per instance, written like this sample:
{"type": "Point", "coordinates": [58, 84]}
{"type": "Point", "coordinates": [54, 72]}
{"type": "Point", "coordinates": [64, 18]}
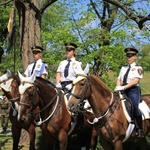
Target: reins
{"type": "Point", "coordinates": [36, 90]}
{"type": "Point", "coordinates": [55, 107]}
{"type": "Point", "coordinates": [95, 120]}
{"type": "Point", "coordinates": [82, 97]}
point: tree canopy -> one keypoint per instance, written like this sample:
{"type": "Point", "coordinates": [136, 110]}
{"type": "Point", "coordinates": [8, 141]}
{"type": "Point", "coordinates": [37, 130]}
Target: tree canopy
{"type": "Point", "coordinates": [101, 29]}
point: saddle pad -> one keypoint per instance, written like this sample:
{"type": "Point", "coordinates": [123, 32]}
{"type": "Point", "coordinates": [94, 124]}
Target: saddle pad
{"type": "Point", "coordinates": [145, 110]}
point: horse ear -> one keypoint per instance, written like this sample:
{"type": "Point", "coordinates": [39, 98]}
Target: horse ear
{"type": "Point", "coordinates": [8, 73]}
{"type": "Point", "coordinates": [87, 68]}
{"type": "Point", "coordinates": [20, 76]}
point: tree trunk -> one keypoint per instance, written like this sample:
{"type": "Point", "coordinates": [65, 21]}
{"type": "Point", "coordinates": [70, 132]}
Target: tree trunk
{"type": "Point", "coordinates": [30, 25]}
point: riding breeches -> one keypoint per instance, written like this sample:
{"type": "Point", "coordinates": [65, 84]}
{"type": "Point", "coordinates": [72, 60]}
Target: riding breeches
{"type": "Point", "coordinates": [134, 94]}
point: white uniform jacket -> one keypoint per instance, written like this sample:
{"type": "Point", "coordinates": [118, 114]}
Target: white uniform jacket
{"type": "Point", "coordinates": [74, 68]}
{"type": "Point", "coordinates": [40, 68]}
{"type": "Point", "coordinates": [136, 71]}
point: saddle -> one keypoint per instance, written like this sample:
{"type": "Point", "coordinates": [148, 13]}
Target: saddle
{"type": "Point", "coordinates": [143, 107]}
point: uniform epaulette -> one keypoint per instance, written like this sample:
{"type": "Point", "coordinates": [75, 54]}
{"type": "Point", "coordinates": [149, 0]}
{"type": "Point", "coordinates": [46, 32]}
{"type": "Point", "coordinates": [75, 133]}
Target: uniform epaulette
{"type": "Point", "coordinates": [137, 65]}
{"type": "Point", "coordinates": [78, 60]}
{"type": "Point", "coordinates": [44, 62]}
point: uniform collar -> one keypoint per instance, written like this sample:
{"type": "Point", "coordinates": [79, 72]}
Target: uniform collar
{"type": "Point", "coordinates": [72, 59]}
{"type": "Point", "coordinates": [133, 64]}
{"type": "Point", "coordinates": [39, 61]}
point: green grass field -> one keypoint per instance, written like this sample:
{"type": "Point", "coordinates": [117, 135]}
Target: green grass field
{"type": "Point", "coordinates": [145, 82]}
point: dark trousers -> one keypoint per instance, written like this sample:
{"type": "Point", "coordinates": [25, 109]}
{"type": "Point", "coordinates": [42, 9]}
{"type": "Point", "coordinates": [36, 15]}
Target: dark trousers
{"type": "Point", "coordinates": [134, 94]}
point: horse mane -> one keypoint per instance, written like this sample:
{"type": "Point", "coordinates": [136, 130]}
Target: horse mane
{"type": "Point", "coordinates": [16, 77]}
{"type": "Point", "coordinates": [100, 85]}
{"type": "Point", "coordinates": [46, 81]}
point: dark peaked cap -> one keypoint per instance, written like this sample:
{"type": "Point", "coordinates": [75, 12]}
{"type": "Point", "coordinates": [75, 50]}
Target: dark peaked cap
{"type": "Point", "coordinates": [71, 45]}
{"type": "Point", "coordinates": [37, 49]}
{"type": "Point", "coordinates": [131, 51]}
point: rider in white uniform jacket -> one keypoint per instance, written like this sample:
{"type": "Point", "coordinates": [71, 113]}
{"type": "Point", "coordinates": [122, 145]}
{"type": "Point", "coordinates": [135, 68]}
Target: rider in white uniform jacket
{"type": "Point", "coordinates": [40, 67]}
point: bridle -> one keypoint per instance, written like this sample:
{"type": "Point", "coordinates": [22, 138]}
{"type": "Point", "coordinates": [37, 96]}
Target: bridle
{"type": "Point", "coordinates": [82, 98]}
{"type": "Point", "coordinates": [87, 86]}
{"type": "Point", "coordinates": [33, 104]}
{"type": "Point", "coordinates": [6, 85]}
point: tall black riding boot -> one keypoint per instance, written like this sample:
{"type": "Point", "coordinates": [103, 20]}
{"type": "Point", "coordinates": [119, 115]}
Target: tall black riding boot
{"type": "Point", "coordinates": [139, 132]}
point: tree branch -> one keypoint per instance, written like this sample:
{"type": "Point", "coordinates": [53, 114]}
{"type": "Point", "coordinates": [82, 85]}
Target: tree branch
{"type": "Point", "coordinates": [6, 2]}
{"type": "Point", "coordinates": [47, 4]}
{"type": "Point", "coordinates": [129, 12]}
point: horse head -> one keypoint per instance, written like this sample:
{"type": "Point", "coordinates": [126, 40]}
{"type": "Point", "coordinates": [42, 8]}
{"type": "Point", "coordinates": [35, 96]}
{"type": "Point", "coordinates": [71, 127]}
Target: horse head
{"type": "Point", "coordinates": [9, 83]}
{"type": "Point", "coordinates": [28, 97]}
{"type": "Point", "coordinates": [81, 90]}
{"type": "Point", "coordinates": [89, 87]}
{"type": "Point", "coordinates": [35, 91]}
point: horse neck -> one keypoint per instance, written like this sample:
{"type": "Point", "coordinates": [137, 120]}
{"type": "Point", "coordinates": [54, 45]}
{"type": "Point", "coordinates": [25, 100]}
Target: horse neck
{"type": "Point", "coordinates": [46, 93]}
{"type": "Point", "coordinates": [101, 96]}
{"type": "Point", "coordinates": [15, 84]}
{"type": "Point", "coordinates": [51, 103]}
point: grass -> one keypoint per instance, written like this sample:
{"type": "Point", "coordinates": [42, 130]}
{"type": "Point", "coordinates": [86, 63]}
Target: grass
{"type": "Point", "coordinates": [145, 81]}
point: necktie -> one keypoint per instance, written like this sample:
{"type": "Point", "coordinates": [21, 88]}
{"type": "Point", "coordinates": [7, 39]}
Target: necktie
{"type": "Point", "coordinates": [66, 69]}
{"type": "Point", "coordinates": [33, 67]}
{"type": "Point", "coordinates": [126, 76]}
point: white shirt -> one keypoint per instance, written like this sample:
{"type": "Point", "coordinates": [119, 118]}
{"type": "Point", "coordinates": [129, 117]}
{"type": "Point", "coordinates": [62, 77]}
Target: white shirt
{"type": "Point", "coordinates": [74, 68]}
{"type": "Point", "coordinates": [40, 68]}
{"type": "Point", "coordinates": [135, 72]}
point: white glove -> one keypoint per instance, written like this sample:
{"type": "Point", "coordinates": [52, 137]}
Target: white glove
{"type": "Point", "coordinates": [69, 87]}
{"type": "Point", "coordinates": [58, 85]}
{"type": "Point", "coordinates": [119, 88]}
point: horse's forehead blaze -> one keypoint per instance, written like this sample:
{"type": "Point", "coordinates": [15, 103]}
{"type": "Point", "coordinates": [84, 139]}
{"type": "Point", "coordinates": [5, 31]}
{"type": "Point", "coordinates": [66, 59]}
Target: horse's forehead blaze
{"type": "Point", "coordinates": [24, 87]}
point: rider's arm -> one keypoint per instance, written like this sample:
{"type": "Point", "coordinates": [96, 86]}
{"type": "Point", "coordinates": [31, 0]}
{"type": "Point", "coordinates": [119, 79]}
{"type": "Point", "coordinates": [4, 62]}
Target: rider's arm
{"type": "Point", "coordinates": [58, 76]}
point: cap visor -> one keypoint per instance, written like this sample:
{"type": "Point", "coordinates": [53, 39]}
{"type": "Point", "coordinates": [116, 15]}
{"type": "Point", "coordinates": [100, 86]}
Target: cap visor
{"type": "Point", "coordinates": [130, 54]}
{"type": "Point", "coordinates": [35, 52]}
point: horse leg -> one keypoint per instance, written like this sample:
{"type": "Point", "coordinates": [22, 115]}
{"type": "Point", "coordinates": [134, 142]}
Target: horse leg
{"type": "Point", "coordinates": [16, 132]}
{"type": "Point", "coordinates": [118, 145]}
{"type": "Point", "coordinates": [63, 140]}
{"type": "Point", "coordinates": [94, 138]}
{"type": "Point", "coordinates": [105, 144]}
{"type": "Point", "coordinates": [32, 135]}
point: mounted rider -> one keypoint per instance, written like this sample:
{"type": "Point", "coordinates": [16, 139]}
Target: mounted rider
{"type": "Point", "coordinates": [129, 81]}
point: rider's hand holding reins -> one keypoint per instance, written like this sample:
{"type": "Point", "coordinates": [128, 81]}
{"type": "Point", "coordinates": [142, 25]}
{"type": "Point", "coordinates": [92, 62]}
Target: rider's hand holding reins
{"type": "Point", "coordinates": [119, 88]}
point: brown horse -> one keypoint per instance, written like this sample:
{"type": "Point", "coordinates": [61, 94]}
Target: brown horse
{"type": "Point", "coordinates": [110, 116]}
{"type": "Point", "coordinates": [55, 119]}
{"type": "Point", "coordinates": [9, 83]}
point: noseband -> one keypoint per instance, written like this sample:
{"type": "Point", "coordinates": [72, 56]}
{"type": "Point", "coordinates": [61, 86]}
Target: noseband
{"type": "Point", "coordinates": [31, 106]}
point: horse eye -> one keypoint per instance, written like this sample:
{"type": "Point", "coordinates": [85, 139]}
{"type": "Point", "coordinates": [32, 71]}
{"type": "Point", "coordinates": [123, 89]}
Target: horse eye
{"type": "Point", "coordinates": [82, 84]}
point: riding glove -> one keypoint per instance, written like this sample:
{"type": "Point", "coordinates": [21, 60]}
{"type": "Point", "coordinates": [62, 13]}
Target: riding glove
{"type": "Point", "coordinates": [58, 85]}
{"type": "Point", "coordinates": [119, 88]}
